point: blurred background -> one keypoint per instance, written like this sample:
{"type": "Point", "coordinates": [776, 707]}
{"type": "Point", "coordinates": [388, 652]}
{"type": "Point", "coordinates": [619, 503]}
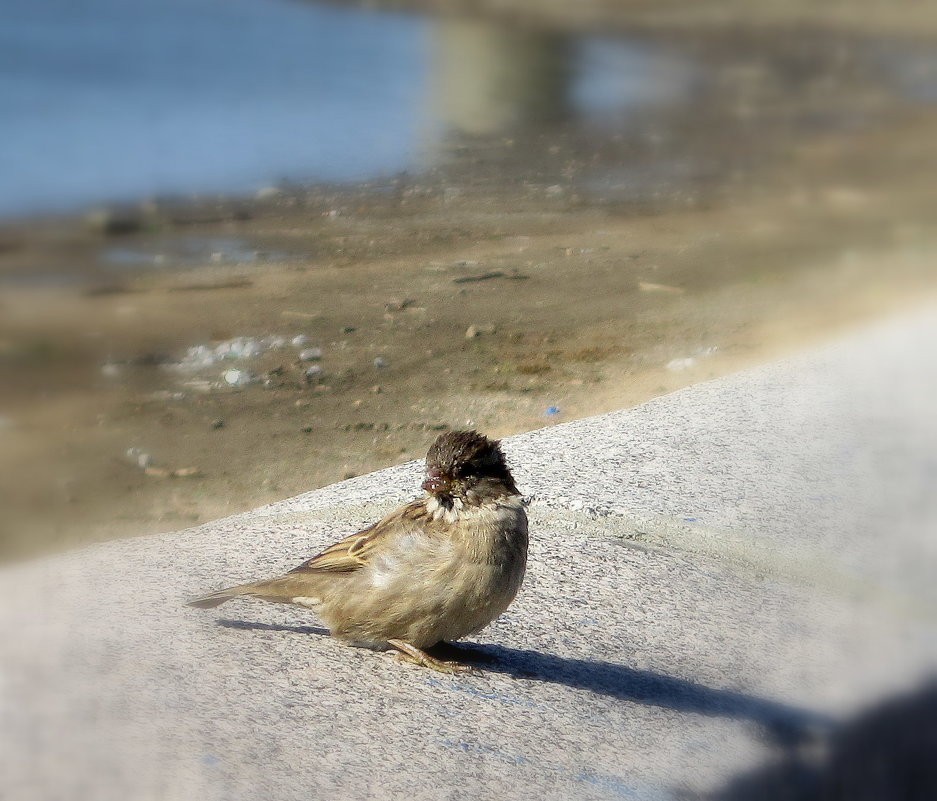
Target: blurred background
{"type": "Point", "coordinates": [252, 247]}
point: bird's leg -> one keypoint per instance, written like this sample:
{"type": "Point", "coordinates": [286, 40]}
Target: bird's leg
{"type": "Point", "coordinates": [411, 653]}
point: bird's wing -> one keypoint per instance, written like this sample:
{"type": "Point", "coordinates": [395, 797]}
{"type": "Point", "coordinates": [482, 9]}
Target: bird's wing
{"type": "Point", "coordinates": [354, 551]}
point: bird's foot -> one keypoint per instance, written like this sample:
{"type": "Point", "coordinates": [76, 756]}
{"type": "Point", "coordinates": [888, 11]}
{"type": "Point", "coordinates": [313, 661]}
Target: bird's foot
{"type": "Point", "coordinates": [416, 656]}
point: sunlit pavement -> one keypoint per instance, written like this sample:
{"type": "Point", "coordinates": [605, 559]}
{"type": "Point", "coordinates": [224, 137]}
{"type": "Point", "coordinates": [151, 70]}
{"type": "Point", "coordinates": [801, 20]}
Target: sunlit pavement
{"type": "Point", "coordinates": [719, 579]}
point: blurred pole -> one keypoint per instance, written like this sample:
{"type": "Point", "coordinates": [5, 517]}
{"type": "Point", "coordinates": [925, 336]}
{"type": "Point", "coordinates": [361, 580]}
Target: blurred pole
{"type": "Point", "coordinates": [491, 79]}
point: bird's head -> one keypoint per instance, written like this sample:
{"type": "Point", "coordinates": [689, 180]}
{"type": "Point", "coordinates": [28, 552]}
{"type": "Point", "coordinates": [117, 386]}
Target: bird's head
{"type": "Point", "coordinates": [468, 466]}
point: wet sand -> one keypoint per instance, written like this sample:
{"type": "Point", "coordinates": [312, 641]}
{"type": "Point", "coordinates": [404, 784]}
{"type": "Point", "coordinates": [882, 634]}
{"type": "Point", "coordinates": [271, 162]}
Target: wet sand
{"type": "Point", "coordinates": [577, 307]}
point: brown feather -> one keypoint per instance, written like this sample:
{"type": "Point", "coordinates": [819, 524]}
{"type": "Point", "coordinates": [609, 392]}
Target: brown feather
{"type": "Point", "coordinates": [437, 568]}
{"type": "Point", "coordinates": [353, 552]}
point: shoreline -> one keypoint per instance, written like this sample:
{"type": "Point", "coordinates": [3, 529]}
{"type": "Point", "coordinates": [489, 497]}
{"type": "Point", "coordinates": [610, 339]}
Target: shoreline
{"type": "Point", "coordinates": [578, 306]}
{"type": "Point", "coordinates": [905, 18]}
{"type": "Point", "coordinates": [748, 87]}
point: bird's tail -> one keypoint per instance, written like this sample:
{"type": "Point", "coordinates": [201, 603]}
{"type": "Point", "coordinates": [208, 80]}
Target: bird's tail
{"type": "Point", "coordinates": [217, 598]}
{"type": "Point", "coordinates": [279, 590]}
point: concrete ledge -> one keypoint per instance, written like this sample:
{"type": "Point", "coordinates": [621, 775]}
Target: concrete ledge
{"type": "Point", "coordinates": [717, 578]}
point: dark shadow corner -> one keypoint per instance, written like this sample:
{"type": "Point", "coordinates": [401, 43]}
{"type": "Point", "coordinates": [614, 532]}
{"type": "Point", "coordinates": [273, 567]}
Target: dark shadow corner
{"type": "Point", "coordinates": [886, 753]}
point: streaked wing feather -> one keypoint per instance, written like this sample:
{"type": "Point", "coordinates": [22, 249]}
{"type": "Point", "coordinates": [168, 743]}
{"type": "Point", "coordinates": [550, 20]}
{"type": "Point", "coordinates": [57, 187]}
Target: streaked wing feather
{"type": "Point", "coordinates": [353, 552]}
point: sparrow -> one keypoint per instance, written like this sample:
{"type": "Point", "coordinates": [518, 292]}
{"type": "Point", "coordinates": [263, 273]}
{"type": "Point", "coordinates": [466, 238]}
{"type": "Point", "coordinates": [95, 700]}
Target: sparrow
{"type": "Point", "coordinates": [436, 569]}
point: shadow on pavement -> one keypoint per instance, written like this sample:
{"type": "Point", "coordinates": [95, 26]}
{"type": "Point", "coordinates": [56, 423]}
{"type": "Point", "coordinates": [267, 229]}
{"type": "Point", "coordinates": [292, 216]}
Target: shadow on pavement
{"type": "Point", "coordinates": [788, 726]}
{"type": "Point", "coordinates": [887, 753]}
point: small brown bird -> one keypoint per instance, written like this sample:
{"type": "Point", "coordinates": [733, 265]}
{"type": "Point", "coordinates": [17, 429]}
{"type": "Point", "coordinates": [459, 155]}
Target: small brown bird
{"type": "Point", "coordinates": [436, 569]}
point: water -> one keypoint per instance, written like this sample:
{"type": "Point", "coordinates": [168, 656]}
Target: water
{"type": "Point", "coordinates": [108, 100]}
{"type": "Point", "coordinates": [105, 100]}
{"type": "Point", "coordinates": [175, 251]}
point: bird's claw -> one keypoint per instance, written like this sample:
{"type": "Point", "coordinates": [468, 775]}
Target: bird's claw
{"type": "Point", "coordinates": [415, 656]}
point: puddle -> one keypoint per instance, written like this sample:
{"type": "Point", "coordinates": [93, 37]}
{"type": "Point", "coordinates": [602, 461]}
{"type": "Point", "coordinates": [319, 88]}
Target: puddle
{"type": "Point", "coordinates": [160, 253]}
{"type": "Point", "coordinates": [913, 71]}
{"type": "Point", "coordinates": [190, 251]}
{"type": "Point", "coordinates": [112, 101]}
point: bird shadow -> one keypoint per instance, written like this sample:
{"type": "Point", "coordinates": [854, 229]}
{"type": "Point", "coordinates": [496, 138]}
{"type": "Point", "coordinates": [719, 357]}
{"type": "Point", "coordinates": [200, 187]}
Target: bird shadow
{"type": "Point", "coordinates": [787, 726]}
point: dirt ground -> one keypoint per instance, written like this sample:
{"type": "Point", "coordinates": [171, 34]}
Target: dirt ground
{"type": "Point", "coordinates": [576, 308]}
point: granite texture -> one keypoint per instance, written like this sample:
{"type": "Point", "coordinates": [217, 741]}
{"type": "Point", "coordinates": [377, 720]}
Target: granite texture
{"type": "Point", "coordinates": [717, 580]}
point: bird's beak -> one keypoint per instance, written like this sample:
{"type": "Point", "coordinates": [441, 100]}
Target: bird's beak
{"type": "Point", "coordinates": [436, 482]}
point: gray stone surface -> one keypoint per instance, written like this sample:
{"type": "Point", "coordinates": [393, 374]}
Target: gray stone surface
{"type": "Point", "coordinates": [715, 578]}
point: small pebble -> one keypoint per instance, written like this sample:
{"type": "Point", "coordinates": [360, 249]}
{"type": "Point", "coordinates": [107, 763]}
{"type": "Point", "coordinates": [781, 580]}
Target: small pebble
{"type": "Point", "coordinates": [140, 458]}
{"type": "Point", "coordinates": [477, 330]}
{"type": "Point", "coordinates": [239, 378]}
{"type": "Point", "coordinates": [681, 364]}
